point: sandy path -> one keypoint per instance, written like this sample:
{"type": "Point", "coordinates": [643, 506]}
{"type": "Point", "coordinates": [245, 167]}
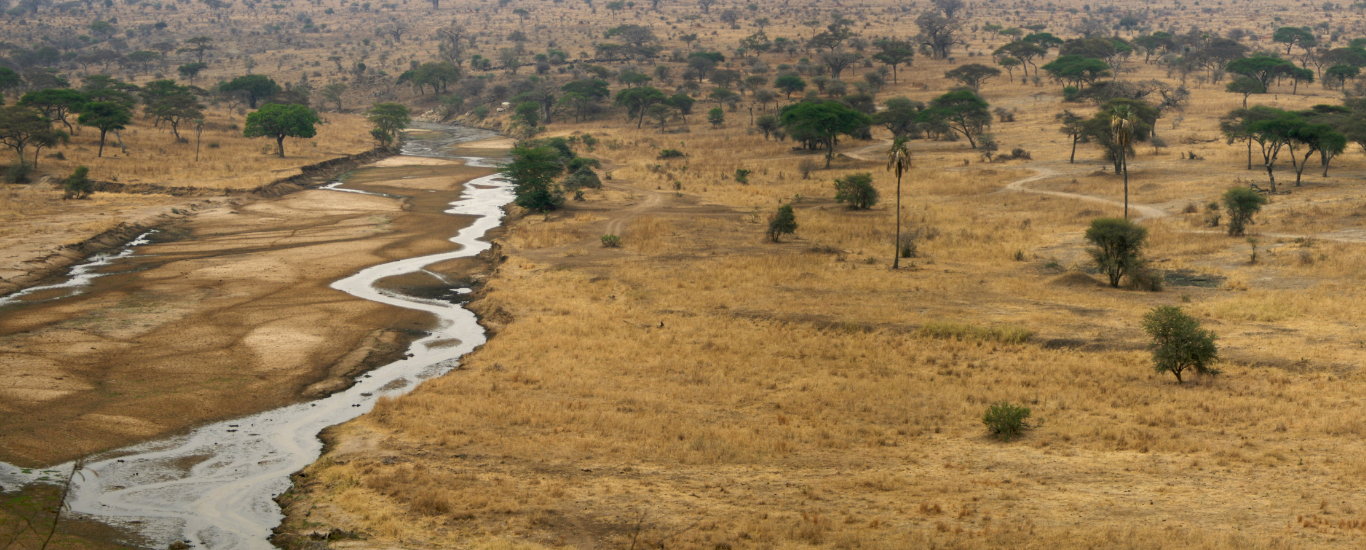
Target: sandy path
{"type": "Point", "coordinates": [232, 316]}
{"type": "Point", "coordinates": [1150, 212]}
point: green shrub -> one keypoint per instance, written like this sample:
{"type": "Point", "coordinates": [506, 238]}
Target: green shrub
{"type": "Point", "coordinates": [78, 184]}
{"type": "Point", "coordinates": [1179, 344]}
{"type": "Point", "coordinates": [742, 175]}
{"type": "Point", "coordinates": [1118, 247]}
{"type": "Point", "coordinates": [579, 162]}
{"type": "Point", "coordinates": [857, 190]}
{"type": "Point", "coordinates": [782, 222]}
{"type": "Point", "coordinates": [18, 173]}
{"type": "Point", "coordinates": [1006, 421]}
{"type": "Point", "coordinates": [611, 241]}
{"type": "Point", "coordinates": [583, 178]}
{"type": "Point", "coordinates": [1005, 334]}
{"type": "Point", "coordinates": [671, 154]}
{"type": "Point", "coordinates": [1242, 203]}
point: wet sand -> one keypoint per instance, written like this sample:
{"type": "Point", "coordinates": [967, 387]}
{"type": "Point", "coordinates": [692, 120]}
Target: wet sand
{"type": "Point", "coordinates": [232, 314]}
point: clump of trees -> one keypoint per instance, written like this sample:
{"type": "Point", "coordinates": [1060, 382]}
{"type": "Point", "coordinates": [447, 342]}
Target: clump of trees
{"type": "Point", "coordinates": [537, 164]}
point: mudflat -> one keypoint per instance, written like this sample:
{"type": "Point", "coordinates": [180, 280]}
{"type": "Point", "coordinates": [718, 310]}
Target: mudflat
{"type": "Point", "coordinates": [229, 313]}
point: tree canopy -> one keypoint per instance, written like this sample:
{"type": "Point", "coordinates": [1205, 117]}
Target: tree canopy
{"type": "Point", "coordinates": [281, 121]}
{"type": "Point", "coordinates": [822, 122]}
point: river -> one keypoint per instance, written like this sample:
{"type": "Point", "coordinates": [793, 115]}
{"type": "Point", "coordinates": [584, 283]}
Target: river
{"type": "Point", "coordinates": [215, 486]}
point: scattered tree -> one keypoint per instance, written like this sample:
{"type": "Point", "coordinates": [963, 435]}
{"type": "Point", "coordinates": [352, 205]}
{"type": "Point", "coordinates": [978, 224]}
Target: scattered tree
{"type": "Point", "coordinates": [105, 116]}
{"type": "Point", "coordinates": [783, 222]}
{"type": "Point", "coordinates": [1241, 203]}
{"type": "Point", "coordinates": [857, 190]}
{"type": "Point", "coordinates": [1179, 344]}
{"type": "Point", "coordinates": [281, 121]}
{"type": "Point", "coordinates": [1118, 247]}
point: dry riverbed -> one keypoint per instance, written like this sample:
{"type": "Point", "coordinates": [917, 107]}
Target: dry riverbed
{"type": "Point", "coordinates": [227, 312]}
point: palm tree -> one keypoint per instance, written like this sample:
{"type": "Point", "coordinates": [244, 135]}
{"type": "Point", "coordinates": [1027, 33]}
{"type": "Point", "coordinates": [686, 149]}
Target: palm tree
{"type": "Point", "coordinates": [1121, 131]}
{"type": "Point", "coordinates": [898, 160]}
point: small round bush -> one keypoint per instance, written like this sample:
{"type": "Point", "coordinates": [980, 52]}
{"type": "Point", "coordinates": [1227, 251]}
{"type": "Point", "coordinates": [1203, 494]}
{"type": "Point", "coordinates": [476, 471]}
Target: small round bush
{"type": "Point", "coordinates": [1006, 421]}
{"type": "Point", "coordinates": [611, 241]}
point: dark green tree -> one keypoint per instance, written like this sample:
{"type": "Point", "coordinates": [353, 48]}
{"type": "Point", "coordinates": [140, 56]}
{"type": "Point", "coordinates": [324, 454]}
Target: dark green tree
{"type": "Point", "coordinates": [532, 172]}
{"type": "Point", "coordinates": [78, 184]}
{"type": "Point", "coordinates": [55, 103]}
{"type": "Point", "coordinates": [893, 53]}
{"type": "Point", "coordinates": [281, 121]}
{"type": "Point", "coordinates": [782, 222]}
{"type": "Point", "coordinates": [1294, 36]}
{"type": "Point", "coordinates": [105, 116]}
{"type": "Point", "coordinates": [963, 111]}
{"type": "Point", "coordinates": [822, 122]}
{"type": "Point", "coordinates": [973, 75]}
{"type": "Point", "coordinates": [1242, 203]}
{"type": "Point", "coordinates": [1076, 69]}
{"type": "Point", "coordinates": [191, 71]}
{"type": "Point", "coordinates": [857, 190]}
{"type": "Point", "coordinates": [717, 117]}
{"type": "Point", "coordinates": [900, 116]}
{"type": "Point", "coordinates": [1262, 68]}
{"type": "Point", "coordinates": [255, 87]}
{"type": "Point", "coordinates": [1118, 247]}
{"type": "Point", "coordinates": [389, 120]}
{"type": "Point", "coordinates": [1246, 86]}
{"type": "Point", "coordinates": [638, 100]}
{"type": "Point", "coordinates": [1179, 344]}
{"type": "Point", "coordinates": [789, 84]}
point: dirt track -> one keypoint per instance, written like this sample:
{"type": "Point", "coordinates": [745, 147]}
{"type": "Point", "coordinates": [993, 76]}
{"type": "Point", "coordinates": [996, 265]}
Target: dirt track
{"type": "Point", "coordinates": [232, 314]}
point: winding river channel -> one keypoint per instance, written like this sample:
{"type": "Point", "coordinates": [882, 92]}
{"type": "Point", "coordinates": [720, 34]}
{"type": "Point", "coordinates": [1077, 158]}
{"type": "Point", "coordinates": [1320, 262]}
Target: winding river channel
{"type": "Point", "coordinates": [215, 486]}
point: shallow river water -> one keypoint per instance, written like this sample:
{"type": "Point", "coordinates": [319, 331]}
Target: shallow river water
{"type": "Point", "coordinates": [215, 486]}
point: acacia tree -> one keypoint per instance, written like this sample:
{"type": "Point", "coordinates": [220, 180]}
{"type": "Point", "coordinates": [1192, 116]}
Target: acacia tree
{"type": "Point", "coordinates": [281, 121]}
{"type": "Point", "coordinates": [961, 110]}
{"type": "Point", "coordinates": [973, 75]}
{"type": "Point", "coordinates": [1118, 247]}
{"type": "Point", "coordinates": [55, 103]}
{"type": "Point", "coordinates": [333, 93]}
{"type": "Point", "coordinates": [1247, 86]}
{"type": "Point", "coordinates": [255, 87]}
{"type": "Point", "coordinates": [638, 100]}
{"type": "Point", "coordinates": [532, 172]}
{"type": "Point", "coordinates": [1294, 36]}
{"type": "Point", "coordinates": [1074, 127]}
{"type": "Point", "coordinates": [893, 53]}
{"type": "Point", "coordinates": [1179, 344]}
{"type": "Point", "coordinates": [388, 119]}
{"type": "Point", "coordinates": [105, 116]}
{"type": "Point", "coordinates": [21, 126]}
{"type": "Point", "coordinates": [822, 122]}
{"type": "Point", "coordinates": [1022, 51]}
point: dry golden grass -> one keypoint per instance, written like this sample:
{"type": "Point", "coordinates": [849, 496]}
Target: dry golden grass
{"type": "Point", "coordinates": [775, 396]}
{"type": "Point", "coordinates": [703, 388]}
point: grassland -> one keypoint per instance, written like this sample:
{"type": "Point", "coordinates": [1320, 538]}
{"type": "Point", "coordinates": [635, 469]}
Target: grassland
{"type": "Point", "coordinates": [702, 388]}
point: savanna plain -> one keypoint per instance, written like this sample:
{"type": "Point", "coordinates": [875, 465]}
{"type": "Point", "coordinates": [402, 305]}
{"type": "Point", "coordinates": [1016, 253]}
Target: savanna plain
{"type": "Point", "coordinates": [694, 342]}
